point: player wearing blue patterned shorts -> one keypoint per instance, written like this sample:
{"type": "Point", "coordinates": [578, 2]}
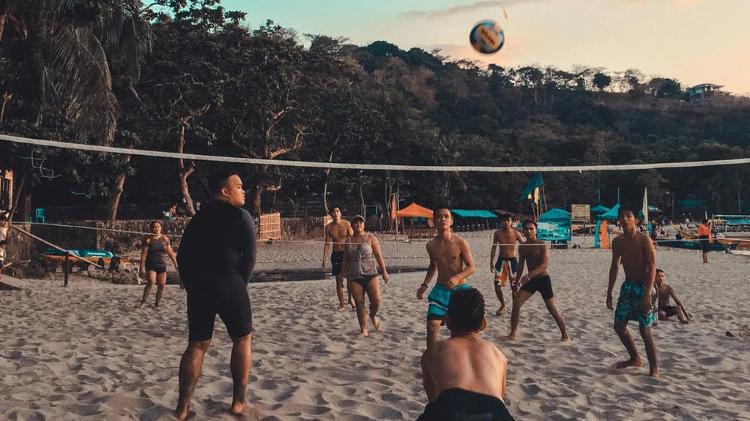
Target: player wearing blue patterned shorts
{"type": "Point", "coordinates": [637, 295]}
{"type": "Point", "coordinates": [450, 257]}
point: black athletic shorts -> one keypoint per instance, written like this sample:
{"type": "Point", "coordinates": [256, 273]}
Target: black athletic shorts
{"type": "Point", "coordinates": [227, 298]}
{"type": "Point", "coordinates": [669, 310]}
{"type": "Point", "coordinates": [155, 268]}
{"type": "Point", "coordinates": [543, 284]}
{"type": "Point", "coordinates": [337, 259]}
{"type": "Point", "coordinates": [704, 243]}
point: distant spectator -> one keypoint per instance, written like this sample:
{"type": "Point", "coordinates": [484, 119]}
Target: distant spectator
{"type": "Point", "coordinates": [171, 212]}
{"type": "Point", "coordinates": [3, 241]}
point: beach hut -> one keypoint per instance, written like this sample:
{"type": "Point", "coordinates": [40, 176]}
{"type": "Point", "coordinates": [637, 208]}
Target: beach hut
{"type": "Point", "coordinates": [420, 220]}
{"type": "Point", "coordinates": [414, 211]}
{"type": "Point", "coordinates": [468, 220]}
{"type": "Point", "coordinates": [555, 226]}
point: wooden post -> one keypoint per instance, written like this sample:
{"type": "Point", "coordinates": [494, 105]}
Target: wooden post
{"type": "Point", "coordinates": [66, 268]}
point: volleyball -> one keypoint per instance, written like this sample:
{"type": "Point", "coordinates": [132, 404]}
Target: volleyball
{"type": "Point", "coordinates": [487, 37]}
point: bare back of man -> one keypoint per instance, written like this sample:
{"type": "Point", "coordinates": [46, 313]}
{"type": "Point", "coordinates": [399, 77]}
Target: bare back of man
{"type": "Point", "coordinates": [475, 365]}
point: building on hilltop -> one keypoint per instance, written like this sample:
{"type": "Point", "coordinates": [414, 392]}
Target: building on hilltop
{"type": "Point", "coordinates": [702, 93]}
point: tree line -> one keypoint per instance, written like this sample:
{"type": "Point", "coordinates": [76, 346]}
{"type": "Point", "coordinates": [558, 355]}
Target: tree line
{"type": "Point", "coordinates": [189, 76]}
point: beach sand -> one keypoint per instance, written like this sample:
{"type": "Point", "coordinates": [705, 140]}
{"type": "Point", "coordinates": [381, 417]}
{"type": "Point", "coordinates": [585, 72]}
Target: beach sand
{"type": "Point", "coordinates": [84, 352]}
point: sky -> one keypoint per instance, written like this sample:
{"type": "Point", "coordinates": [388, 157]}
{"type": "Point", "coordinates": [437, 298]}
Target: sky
{"type": "Point", "coordinates": [694, 41]}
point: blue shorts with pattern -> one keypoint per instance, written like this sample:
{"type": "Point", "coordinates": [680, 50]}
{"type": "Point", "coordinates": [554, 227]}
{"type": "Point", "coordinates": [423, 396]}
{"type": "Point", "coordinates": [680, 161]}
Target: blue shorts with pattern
{"type": "Point", "coordinates": [439, 299]}
{"type": "Point", "coordinates": [629, 304]}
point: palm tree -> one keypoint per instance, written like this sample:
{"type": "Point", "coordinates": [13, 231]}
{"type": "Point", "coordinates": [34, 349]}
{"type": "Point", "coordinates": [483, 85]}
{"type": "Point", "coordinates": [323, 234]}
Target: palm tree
{"type": "Point", "coordinates": [66, 53]}
{"type": "Point", "coordinates": [67, 56]}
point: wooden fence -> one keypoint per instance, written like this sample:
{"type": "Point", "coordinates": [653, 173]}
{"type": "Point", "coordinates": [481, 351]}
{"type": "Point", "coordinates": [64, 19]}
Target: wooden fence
{"type": "Point", "coordinates": [270, 226]}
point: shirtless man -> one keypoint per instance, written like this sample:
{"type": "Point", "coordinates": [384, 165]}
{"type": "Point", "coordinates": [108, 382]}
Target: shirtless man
{"type": "Point", "coordinates": [534, 254]}
{"type": "Point", "coordinates": [505, 268]}
{"type": "Point", "coordinates": [637, 295]}
{"type": "Point", "coordinates": [465, 376]}
{"type": "Point", "coordinates": [450, 256]}
{"type": "Point", "coordinates": [665, 292]}
{"type": "Point", "coordinates": [337, 232]}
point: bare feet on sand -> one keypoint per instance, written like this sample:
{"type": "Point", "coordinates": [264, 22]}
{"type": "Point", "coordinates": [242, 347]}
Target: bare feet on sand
{"type": "Point", "coordinates": [364, 332]}
{"type": "Point", "coordinates": [184, 415]}
{"type": "Point", "coordinates": [244, 410]}
{"type": "Point", "coordinates": [566, 338]}
{"type": "Point", "coordinates": [637, 362]}
{"type": "Point", "coordinates": [500, 310]}
{"type": "Point", "coordinates": [509, 338]}
{"type": "Point", "coordinates": [654, 373]}
{"type": "Point", "coordinates": [375, 323]}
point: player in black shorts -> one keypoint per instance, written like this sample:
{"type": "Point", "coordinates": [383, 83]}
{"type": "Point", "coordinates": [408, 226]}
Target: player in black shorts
{"type": "Point", "coordinates": [216, 258]}
{"type": "Point", "coordinates": [534, 255]}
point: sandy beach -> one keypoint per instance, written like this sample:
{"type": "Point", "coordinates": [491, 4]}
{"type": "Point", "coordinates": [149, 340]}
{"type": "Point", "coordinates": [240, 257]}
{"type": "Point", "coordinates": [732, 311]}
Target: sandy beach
{"type": "Point", "coordinates": [83, 352]}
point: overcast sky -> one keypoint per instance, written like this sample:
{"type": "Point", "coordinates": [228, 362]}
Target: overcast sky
{"type": "Point", "coordinates": [695, 41]}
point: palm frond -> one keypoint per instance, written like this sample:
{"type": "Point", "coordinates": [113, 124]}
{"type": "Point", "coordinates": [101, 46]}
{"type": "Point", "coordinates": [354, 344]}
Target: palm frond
{"type": "Point", "coordinates": [80, 71]}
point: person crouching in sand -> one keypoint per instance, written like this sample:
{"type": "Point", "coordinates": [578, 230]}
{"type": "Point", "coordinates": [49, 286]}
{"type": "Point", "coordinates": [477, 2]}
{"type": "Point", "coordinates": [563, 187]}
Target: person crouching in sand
{"type": "Point", "coordinates": [361, 261]}
{"type": "Point", "coordinates": [465, 376]}
{"type": "Point", "coordinates": [450, 256]}
{"type": "Point", "coordinates": [665, 292]}
{"type": "Point", "coordinates": [637, 296]}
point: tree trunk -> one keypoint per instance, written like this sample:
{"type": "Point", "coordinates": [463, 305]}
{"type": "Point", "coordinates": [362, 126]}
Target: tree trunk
{"type": "Point", "coordinates": [257, 193]}
{"type": "Point", "coordinates": [17, 196]}
{"type": "Point", "coordinates": [185, 172]}
{"type": "Point", "coordinates": [362, 201]}
{"type": "Point", "coordinates": [118, 188]}
{"type": "Point", "coordinates": [6, 99]}
{"type": "Point", "coordinates": [325, 192]}
{"type": "Point", "coordinates": [3, 19]}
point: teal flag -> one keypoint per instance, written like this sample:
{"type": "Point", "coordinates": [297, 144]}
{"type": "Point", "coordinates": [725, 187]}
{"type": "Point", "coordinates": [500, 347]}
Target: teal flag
{"type": "Point", "coordinates": [529, 189]}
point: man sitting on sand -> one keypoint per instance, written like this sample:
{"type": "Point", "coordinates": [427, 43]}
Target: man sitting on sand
{"type": "Point", "coordinates": [450, 256]}
{"type": "Point", "coordinates": [465, 376]}
{"type": "Point", "coordinates": [533, 253]}
{"type": "Point", "coordinates": [665, 292]}
{"type": "Point", "coordinates": [505, 268]}
{"type": "Point", "coordinates": [637, 295]}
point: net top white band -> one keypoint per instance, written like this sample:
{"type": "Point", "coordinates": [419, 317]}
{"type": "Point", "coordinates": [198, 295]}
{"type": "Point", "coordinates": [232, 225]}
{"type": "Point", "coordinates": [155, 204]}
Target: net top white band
{"type": "Point", "coordinates": [371, 167]}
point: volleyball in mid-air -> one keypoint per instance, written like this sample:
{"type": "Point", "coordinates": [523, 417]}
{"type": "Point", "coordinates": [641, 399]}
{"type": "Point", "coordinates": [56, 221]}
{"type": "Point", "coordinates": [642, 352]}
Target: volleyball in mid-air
{"type": "Point", "coordinates": [487, 37]}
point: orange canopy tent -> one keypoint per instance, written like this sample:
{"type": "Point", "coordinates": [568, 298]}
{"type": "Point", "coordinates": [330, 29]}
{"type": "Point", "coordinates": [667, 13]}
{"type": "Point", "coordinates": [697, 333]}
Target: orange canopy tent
{"type": "Point", "coordinates": [414, 211]}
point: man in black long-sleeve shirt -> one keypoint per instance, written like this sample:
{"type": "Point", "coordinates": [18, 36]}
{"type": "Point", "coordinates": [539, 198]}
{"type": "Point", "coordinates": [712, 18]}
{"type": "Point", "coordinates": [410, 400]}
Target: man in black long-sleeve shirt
{"type": "Point", "coordinates": [215, 259]}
